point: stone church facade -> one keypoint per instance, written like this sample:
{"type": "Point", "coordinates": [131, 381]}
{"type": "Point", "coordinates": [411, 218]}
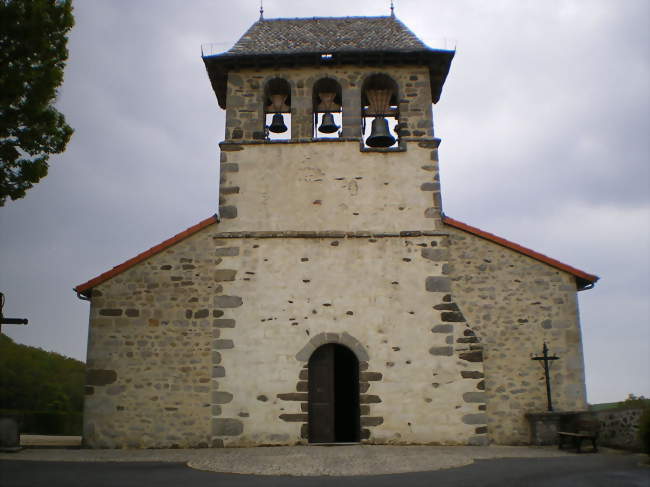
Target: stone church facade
{"type": "Point", "coordinates": [331, 300]}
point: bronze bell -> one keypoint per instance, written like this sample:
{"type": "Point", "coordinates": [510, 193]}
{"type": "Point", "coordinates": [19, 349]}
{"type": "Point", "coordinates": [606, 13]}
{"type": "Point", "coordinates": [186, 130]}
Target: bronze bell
{"type": "Point", "coordinates": [327, 125]}
{"type": "Point", "coordinates": [380, 134]}
{"type": "Point", "coordinates": [277, 124]}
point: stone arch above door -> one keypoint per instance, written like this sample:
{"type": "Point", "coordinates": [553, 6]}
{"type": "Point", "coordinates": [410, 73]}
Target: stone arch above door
{"type": "Point", "coordinates": [300, 395]}
{"type": "Point", "coordinates": [341, 338]}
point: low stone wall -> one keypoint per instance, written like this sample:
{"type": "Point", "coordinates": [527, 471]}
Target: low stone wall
{"type": "Point", "coordinates": [544, 426]}
{"type": "Point", "coordinates": [620, 428]}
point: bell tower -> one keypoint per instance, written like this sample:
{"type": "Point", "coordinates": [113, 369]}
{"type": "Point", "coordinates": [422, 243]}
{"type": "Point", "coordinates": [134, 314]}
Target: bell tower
{"type": "Point", "coordinates": [331, 248]}
{"type": "Point", "coordinates": [329, 127]}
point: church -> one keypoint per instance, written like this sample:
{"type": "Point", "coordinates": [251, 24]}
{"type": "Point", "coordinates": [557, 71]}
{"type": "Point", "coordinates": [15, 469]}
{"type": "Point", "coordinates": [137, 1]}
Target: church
{"type": "Point", "coordinates": [330, 299]}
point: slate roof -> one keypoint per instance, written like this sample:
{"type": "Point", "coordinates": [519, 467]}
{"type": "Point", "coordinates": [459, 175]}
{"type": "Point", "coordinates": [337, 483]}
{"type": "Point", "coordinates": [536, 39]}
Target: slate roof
{"type": "Point", "coordinates": [327, 35]}
{"type": "Point", "coordinates": [367, 41]}
{"type": "Point", "coordinates": [583, 279]}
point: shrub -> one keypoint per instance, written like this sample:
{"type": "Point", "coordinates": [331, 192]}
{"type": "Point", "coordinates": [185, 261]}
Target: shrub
{"type": "Point", "coordinates": [644, 430]}
{"type": "Point", "coordinates": [633, 402]}
{"type": "Point", "coordinates": [46, 422]}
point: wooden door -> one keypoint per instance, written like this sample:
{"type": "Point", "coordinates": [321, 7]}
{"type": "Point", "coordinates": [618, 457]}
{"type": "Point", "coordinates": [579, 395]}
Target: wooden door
{"type": "Point", "coordinates": [321, 396]}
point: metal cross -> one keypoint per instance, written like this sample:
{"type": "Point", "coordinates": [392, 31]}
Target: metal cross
{"type": "Point", "coordinates": [8, 321]}
{"type": "Point", "coordinates": [545, 357]}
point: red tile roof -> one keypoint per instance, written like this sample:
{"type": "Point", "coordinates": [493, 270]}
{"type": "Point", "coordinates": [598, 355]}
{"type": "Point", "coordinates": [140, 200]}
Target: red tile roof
{"type": "Point", "coordinates": [86, 287]}
{"type": "Point", "coordinates": [583, 279]}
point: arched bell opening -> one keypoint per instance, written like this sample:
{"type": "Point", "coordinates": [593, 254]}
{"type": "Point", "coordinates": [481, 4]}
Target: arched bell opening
{"type": "Point", "coordinates": [277, 109]}
{"type": "Point", "coordinates": [333, 395]}
{"type": "Point", "coordinates": [327, 108]}
{"type": "Point", "coordinates": [379, 111]}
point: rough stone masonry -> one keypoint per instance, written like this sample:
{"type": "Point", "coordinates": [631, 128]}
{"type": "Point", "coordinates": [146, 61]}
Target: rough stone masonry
{"type": "Point", "coordinates": [206, 339]}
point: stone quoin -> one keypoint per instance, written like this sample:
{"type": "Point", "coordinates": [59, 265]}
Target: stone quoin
{"type": "Point", "coordinates": [330, 299]}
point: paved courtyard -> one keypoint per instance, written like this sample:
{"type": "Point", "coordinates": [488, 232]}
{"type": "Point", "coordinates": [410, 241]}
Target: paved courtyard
{"type": "Point", "coordinates": [301, 460]}
{"type": "Point", "coordinates": [495, 467]}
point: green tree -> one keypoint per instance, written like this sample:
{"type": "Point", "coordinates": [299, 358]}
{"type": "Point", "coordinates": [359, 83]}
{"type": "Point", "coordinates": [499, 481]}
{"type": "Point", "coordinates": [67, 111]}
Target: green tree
{"type": "Point", "coordinates": [33, 40]}
{"type": "Point", "coordinates": [32, 379]}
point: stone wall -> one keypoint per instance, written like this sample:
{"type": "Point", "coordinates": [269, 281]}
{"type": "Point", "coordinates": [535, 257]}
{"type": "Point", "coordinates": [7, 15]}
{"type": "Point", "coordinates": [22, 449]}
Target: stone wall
{"type": "Point", "coordinates": [150, 352]}
{"type": "Point", "coordinates": [620, 428]}
{"type": "Point", "coordinates": [206, 343]}
{"type": "Point", "coordinates": [329, 186]}
{"type": "Point", "coordinates": [382, 293]}
{"type": "Point", "coordinates": [245, 99]}
{"type": "Point", "coordinates": [514, 303]}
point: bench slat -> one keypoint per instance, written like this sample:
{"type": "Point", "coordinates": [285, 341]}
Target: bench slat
{"type": "Point", "coordinates": [582, 435]}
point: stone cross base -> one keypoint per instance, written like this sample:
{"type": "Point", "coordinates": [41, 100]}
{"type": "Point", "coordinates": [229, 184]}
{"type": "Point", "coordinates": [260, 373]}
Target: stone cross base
{"type": "Point", "coordinates": [545, 425]}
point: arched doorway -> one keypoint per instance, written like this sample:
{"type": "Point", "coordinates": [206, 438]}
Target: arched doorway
{"type": "Point", "coordinates": [333, 395]}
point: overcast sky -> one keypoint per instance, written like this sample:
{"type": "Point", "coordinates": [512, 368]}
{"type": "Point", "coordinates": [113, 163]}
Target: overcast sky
{"type": "Point", "coordinates": [544, 122]}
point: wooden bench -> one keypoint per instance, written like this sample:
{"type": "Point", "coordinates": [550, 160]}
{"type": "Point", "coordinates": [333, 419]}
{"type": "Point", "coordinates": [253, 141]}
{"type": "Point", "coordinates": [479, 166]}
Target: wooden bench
{"type": "Point", "coordinates": [583, 429]}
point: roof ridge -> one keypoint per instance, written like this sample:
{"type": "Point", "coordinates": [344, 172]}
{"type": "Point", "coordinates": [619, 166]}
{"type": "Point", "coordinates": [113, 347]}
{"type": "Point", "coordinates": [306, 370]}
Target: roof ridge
{"type": "Point", "coordinates": [328, 18]}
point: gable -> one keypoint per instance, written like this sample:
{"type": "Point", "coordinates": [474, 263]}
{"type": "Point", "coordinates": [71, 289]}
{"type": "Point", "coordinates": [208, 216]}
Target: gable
{"type": "Point", "coordinates": [584, 280]}
{"type": "Point", "coordinates": [85, 288]}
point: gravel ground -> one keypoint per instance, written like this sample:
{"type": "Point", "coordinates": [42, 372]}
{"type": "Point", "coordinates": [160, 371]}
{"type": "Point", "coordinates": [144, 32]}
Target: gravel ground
{"type": "Point", "coordinates": [301, 460]}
